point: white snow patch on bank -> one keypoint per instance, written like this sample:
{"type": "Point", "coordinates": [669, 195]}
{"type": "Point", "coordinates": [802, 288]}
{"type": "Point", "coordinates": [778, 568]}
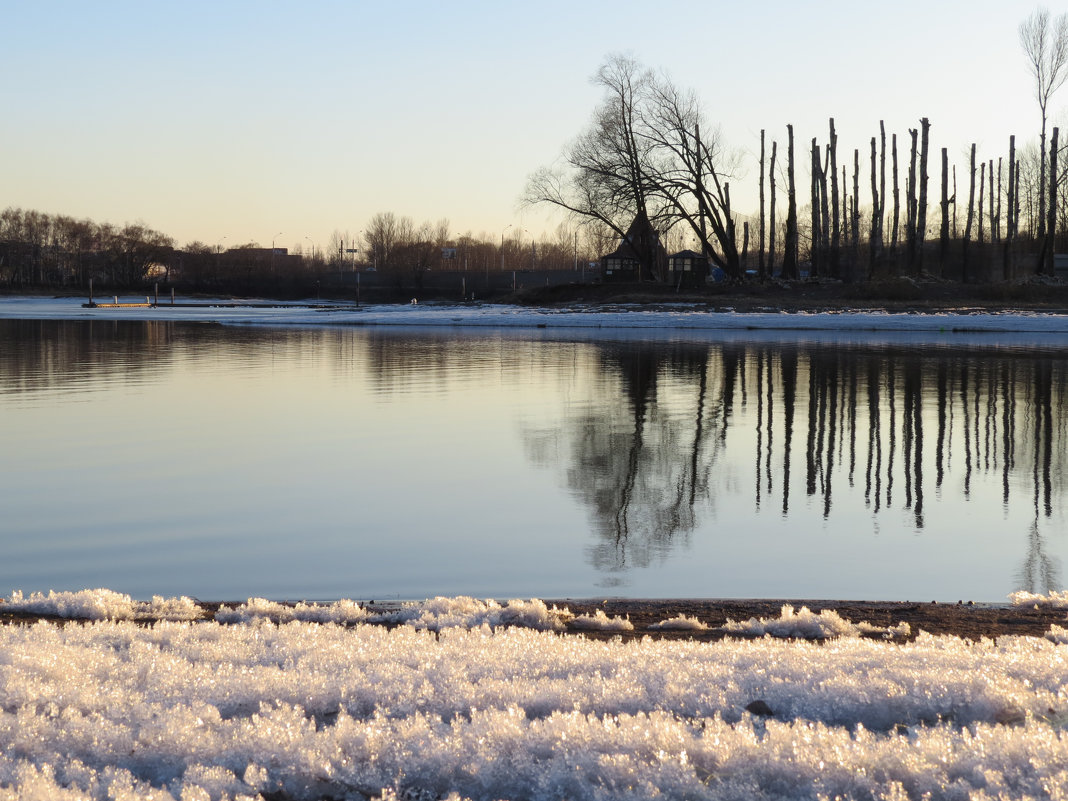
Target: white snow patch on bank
{"type": "Point", "coordinates": [599, 621]}
{"type": "Point", "coordinates": [102, 604]}
{"type": "Point", "coordinates": [306, 711]}
{"type": "Point", "coordinates": [342, 612]}
{"type": "Point", "coordinates": [680, 623]}
{"type": "Point", "coordinates": [1019, 328]}
{"type": "Point", "coordinates": [1056, 599]}
{"type": "Point", "coordinates": [434, 614]}
{"type": "Point", "coordinates": [806, 624]}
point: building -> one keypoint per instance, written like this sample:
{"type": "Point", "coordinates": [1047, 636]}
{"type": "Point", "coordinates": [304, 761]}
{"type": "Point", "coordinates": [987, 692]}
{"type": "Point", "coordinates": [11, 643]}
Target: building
{"type": "Point", "coordinates": [639, 257]}
{"type": "Point", "coordinates": [687, 269]}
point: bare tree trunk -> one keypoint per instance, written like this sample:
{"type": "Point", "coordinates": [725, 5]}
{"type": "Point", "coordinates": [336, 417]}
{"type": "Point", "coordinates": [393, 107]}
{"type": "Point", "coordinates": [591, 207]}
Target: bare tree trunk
{"type": "Point", "coordinates": [856, 211]}
{"type": "Point", "coordinates": [897, 203]}
{"type": "Point", "coordinates": [882, 184]}
{"type": "Point", "coordinates": [998, 211]}
{"type": "Point", "coordinates": [825, 213]}
{"type": "Point", "coordinates": [982, 186]}
{"type": "Point", "coordinates": [874, 244]}
{"type": "Point", "coordinates": [1008, 266]}
{"type": "Point", "coordinates": [921, 219]}
{"type": "Point", "coordinates": [943, 231]}
{"type": "Point", "coordinates": [771, 212]}
{"type": "Point", "coordinates": [1010, 222]}
{"type": "Point", "coordinates": [745, 246]}
{"type": "Point", "coordinates": [836, 232]}
{"type": "Point", "coordinates": [993, 219]}
{"type": "Point", "coordinates": [1051, 224]}
{"type": "Point", "coordinates": [815, 254]}
{"type": "Point", "coordinates": [954, 201]}
{"type": "Point", "coordinates": [910, 207]}
{"type": "Point", "coordinates": [789, 259]}
{"type": "Point", "coordinates": [968, 220]}
{"type": "Point", "coordinates": [761, 268]}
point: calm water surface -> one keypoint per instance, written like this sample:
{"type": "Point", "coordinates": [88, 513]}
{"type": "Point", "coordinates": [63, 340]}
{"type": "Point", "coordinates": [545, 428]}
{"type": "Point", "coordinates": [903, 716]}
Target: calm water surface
{"type": "Point", "coordinates": [221, 462]}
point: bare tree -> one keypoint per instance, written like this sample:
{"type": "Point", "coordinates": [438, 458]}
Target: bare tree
{"type": "Point", "coordinates": [771, 215]}
{"type": "Point", "coordinates": [1044, 40]}
{"type": "Point", "coordinates": [789, 260]}
{"type": "Point", "coordinates": [687, 170]}
{"type": "Point", "coordinates": [761, 267]}
{"type": "Point", "coordinates": [1048, 247]}
{"type": "Point", "coordinates": [921, 216]}
{"type": "Point", "coordinates": [943, 231]}
{"type": "Point", "coordinates": [604, 175]}
{"type": "Point", "coordinates": [836, 232]}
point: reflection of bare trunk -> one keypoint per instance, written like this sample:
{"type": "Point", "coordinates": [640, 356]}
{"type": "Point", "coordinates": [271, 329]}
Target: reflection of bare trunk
{"type": "Point", "coordinates": [1008, 427]}
{"type": "Point", "coordinates": [891, 394]}
{"type": "Point", "coordinates": [943, 396]}
{"type": "Point", "coordinates": [1043, 435]}
{"type": "Point", "coordinates": [914, 416]}
{"type": "Point", "coordinates": [789, 392]}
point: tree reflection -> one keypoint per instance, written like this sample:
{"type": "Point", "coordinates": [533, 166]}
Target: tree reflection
{"type": "Point", "coordinates": [650, 454]}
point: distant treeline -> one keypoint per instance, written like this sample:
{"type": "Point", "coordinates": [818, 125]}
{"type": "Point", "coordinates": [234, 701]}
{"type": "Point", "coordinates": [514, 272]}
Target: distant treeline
{"type": "Point", "coordinates": [39, 250]}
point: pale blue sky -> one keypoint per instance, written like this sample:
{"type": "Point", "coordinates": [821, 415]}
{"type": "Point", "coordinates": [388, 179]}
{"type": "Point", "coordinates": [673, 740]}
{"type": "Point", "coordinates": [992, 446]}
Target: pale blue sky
{"type": "Point", "coordinates": [244, 120]}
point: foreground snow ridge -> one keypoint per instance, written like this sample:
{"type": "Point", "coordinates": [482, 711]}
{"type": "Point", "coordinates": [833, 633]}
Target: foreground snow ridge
{"type": "Point", "coordinates": [306, 710]}
{"type": "Point", "coordinates": [101, 604]}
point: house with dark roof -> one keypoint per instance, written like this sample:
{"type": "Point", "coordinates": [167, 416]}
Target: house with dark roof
{"type": "Point", "coordinates": [687, 269]}
{"type": "Point", "coordinates": [639, 257]}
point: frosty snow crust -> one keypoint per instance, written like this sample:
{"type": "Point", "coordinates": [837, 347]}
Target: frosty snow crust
{"type": "Point", "coordinates": [474, 699]}
{"type": "Point", "coordinates": [435, 614]}
{"type": "Point", "coordinates": [181, 710]}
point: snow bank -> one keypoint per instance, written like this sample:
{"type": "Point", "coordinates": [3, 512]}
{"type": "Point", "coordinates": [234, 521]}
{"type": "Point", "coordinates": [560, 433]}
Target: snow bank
{"type": "Point", "coordinates": [808, 625]}
{"type": "Point", "coordinates": [434, 614]}
{"type": "Point", "coordinates": [599, 621]}
{"type": "Point", "coordinates": [101, 604]}
{"type": "Point", "coordinates": [680, 623]}
{"type": "Point", "coordinates": [298, 710]}
{"type": "Point", "coordinates": [1056, 599]}
{"type": "Point", "coordinates": [343, 612]}
{"type": "Point", "coordinates": [463, 612]}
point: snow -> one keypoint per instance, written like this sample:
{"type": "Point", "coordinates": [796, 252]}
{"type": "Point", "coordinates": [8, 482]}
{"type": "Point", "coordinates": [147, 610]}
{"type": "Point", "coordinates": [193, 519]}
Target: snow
{"type": "Point", "coordinates": [965, 326]}
{"type": "Point", "coordinates": [307, 710]}
{"type": "Point", "coordinates": [102, 604]}
{"type": "Point", "coordinates": [1058, 599]}
{"type": "Point", "coordinates": [434, 615]}
{"type": "Point", "coordinates": [808, 625]}
{"type": "Point", "coordinates": [680, 623]}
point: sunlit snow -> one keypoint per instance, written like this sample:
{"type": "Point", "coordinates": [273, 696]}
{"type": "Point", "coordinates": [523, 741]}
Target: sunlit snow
{"type": "Point", "coordinates": [809, 625]}
{"type": "Point", "coordinates": [310, 710]}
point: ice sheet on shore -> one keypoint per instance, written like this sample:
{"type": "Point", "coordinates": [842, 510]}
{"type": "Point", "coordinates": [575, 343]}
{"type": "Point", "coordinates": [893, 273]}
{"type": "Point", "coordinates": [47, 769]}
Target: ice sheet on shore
{"type": "Point", "coordinates": [602, 321]}
{"type": "Point", "coordinates": [304, 710]}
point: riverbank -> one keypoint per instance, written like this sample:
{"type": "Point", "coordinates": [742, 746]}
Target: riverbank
{"type": "Point", "coordinates": [701, 620]}
{"type": "Point", "coordinates": [900, 295]}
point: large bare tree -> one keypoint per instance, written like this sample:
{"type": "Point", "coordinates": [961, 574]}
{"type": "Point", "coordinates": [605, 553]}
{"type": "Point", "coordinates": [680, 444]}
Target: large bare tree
{"type": "Point", "coordinates": [1044, 40]}
{"type": "Point", "coordinates": [648, 153]}
{"type": "Point", "coordinates": [603, 175]}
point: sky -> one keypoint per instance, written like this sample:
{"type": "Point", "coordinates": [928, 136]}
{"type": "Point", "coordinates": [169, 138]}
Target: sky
{"type": "Point", "coordinates": [231, 121]}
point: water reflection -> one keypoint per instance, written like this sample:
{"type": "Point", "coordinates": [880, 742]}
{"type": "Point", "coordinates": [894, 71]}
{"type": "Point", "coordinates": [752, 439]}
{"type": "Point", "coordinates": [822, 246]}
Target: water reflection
{"type": "Point", "coordinates": [681, 456]}
{"type": "Point", "coordinates": [881, 422]}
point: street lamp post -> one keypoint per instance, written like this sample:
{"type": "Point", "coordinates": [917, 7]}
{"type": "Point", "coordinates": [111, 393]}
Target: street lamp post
{"type": "Point", "coordinates": [273, 238]}
{"type": "Point", "coordinates": [502, 245]}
